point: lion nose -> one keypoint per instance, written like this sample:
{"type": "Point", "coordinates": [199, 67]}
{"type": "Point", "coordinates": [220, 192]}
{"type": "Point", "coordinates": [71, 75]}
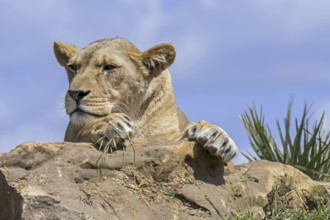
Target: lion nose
{"type": "Point", "coordinates": [78, 95]}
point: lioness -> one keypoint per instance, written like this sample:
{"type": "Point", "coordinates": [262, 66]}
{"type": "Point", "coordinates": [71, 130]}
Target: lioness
{"type": "Point", "coordinates": [115, 89]}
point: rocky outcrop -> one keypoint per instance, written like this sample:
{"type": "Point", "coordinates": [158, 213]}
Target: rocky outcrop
{"type": "Point", "coordinates": [177, 180]}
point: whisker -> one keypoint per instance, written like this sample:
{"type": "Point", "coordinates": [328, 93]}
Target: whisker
{"type": "Point", "coordinates": [120, 107]}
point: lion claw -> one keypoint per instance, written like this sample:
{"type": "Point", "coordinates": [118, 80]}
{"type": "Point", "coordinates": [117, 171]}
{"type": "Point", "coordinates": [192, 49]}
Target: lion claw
{"type": "Point", "coordinates": [117, 127]}
{"type": "Point", "coordinates": [213, 138]}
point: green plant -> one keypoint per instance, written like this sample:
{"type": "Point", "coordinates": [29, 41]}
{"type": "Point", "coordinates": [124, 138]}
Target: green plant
{"type": "Point", "coordinates": [307, 150]}
{"type": "Point", "coordinates": [318, 211]}
{"type": "Point", "coordinates": [248, 215]}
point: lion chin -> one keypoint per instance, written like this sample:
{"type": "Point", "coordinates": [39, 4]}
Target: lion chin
{"type": "Point", "coordinates": [116, 89]}
{"type": "Point", "coordinates": [80, 117]}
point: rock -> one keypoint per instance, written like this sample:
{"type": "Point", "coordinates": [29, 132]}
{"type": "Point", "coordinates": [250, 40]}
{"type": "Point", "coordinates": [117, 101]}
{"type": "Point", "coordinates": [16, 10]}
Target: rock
{"type": "Point", "coordinates": [158, 180]}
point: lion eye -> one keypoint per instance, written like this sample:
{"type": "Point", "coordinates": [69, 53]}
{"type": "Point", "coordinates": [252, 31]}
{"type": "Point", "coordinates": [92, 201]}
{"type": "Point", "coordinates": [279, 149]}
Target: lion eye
{"type": "Point", "coordinates": [73, 68]}
{"type": "Point", "coordinates": [108, 68]}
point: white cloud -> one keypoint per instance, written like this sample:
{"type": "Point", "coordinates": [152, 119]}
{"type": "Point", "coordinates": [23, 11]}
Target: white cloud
{"type": "Point", "coordinates": [148, 18]}
{"type": "Point", "coordinates": [39, 10]}
{"type": "Point", "coordinates": [191, 50]}
{"type": "Point", "coordinates": [297, 15]}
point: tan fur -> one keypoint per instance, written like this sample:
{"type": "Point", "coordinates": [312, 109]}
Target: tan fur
{"type": "Point", "coordinates": [114, 88]}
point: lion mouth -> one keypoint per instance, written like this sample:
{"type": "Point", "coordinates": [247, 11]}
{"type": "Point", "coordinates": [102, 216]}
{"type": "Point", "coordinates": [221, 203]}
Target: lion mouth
{"type": "Point", "coordinates": [81, 112]}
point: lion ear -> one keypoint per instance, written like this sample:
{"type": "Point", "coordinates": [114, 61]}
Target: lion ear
{"type": "Point", "coordinates": [158, 58]}
{"type": "Point", "coordinates": [64, 52]}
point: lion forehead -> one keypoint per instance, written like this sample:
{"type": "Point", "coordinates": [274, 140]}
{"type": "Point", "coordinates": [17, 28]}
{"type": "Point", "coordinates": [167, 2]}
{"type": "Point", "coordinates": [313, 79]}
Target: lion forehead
{"type": "Point", "coordinates": [104, 56]}
{"type": "Point", "coordinates": [105, 52]}
{"type": "Point", "coordinates": [117, 42]}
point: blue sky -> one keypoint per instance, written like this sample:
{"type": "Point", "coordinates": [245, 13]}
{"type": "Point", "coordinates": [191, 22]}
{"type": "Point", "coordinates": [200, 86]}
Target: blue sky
{"type": "Point", "coordinates": [230, 54]}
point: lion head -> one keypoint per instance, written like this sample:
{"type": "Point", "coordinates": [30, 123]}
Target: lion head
{"type": "Point", "coordinates": [110, 76]}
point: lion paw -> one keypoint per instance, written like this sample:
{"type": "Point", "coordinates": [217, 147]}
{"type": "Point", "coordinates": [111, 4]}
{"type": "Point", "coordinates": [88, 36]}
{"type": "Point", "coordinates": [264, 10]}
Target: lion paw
{"type": "Point", "coordinates": [116, 127]}
{"type": "Point", "coordinates": [213, 138]}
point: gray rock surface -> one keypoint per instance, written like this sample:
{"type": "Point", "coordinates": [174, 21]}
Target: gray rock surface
{"type": "Point", "coordinates": [163, 180]}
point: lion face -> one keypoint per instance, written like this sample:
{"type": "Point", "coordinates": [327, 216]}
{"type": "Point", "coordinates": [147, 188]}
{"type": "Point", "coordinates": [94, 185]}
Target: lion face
{"type": "Point", "coordinates": [109, 76]}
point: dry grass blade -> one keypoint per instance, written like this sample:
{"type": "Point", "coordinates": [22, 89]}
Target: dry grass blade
{"type": "Point", "coordinates": [105, 147]}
